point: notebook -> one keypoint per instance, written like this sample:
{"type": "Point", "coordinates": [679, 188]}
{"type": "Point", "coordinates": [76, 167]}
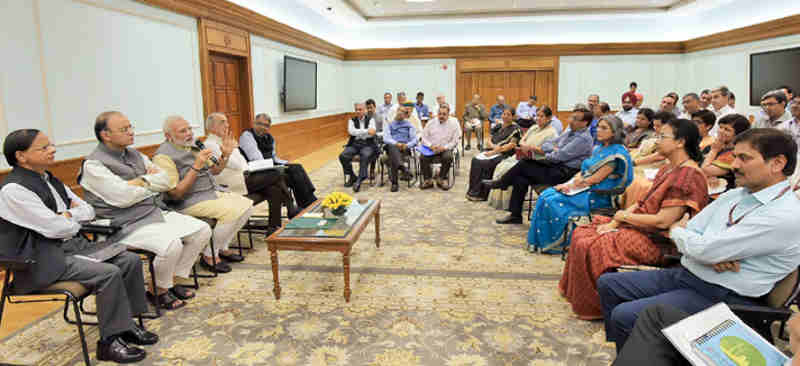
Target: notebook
{"type": "Point", "coordinates": [100, 252]}
{"type": "Point", "coordinates": [717, 337]}
{"type": "Point", "coordinates": [263, 164]}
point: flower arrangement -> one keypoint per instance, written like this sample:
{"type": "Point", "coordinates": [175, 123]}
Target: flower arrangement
{"type": "Point", "coordinates": [337, 201]}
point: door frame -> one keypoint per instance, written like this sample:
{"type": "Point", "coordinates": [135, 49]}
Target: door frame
{"type": "Point", "coordinates": [478, 64]}
{"type": "Point", "coordinates": [222, 39]}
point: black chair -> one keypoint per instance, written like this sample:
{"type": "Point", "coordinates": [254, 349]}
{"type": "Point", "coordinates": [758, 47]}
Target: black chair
{"type": "Point", "coordinates": [74, 293]}
{"type": "Point", "coordinates": [212, 223]}
{"type": "Point", "coordinates": [451, 176]}
{"type": "Point", "coordinates": [538, 188]}
{"type": "Point", "coordinates": [408, 160]}
{"type": "Point", "coordinates": [92, 232]}
{"type": "Point", "coordinates": [776, 306]}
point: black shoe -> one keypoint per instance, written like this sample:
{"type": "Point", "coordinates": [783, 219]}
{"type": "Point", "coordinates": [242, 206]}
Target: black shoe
{"type": "Point", "coordinates": [467, 148]}
{"type": "Point", "coordinates": [291, 209]}
{"type": "Point", "coordinates": [137, 335]}
{"type": "Point", "coordinates": [231, 257]}
{"type": "Point", "coordinates": [221, 267]}
{"type": "Point", "coordinates": [350, 181]}
{"type": "Point", "coordinates": [490, 184]}
{"type": "Point", "coordinates": [357, 184]}
{"type": "Point", "coordinates": [395, 187]}
{"type": "Point", "coordinates": [510, 219]}
{"type": "Point", "coordinates": [118, 351]}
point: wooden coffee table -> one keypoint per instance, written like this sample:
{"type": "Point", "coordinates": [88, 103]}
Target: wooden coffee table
{"type": "Point", "coordinates": [339, 238]}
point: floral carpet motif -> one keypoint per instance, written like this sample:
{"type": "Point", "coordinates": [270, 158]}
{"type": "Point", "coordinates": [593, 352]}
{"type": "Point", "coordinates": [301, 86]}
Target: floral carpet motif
{"type": "Point", "coordinates": [446, 287]}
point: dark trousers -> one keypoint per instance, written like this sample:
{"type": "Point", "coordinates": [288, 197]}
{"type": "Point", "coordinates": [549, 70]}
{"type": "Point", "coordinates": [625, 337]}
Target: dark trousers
{"type": "Point", "coordinates": [529, 172]}
{"type": "Point", "coordinates": [297, 179]}
{"type": "Point", "coordinates": [269, 185]}
{"type": "Point", "coordinates": [647, 345]}
{"type": "Point", "coordinates": [395, 160]}
{"type": "Point", "coordinates": [118, 285]}
{"type": "Point", "coordinates": [445, 158]}
{"type": "Point", "coordinates": [480, 170]}
{"type": "Point", "coordinates": [365, 152]}
{"type": "Point", "coordinates": [525, 123]}
{"type": "Point", "coordinates": [625, 294]}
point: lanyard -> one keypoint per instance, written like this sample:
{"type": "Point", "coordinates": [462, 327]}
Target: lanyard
{"type": "Point", "coordinates": [732, 222]}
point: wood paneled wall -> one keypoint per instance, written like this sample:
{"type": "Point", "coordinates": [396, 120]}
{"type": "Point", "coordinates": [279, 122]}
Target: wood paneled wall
{"type": "Point", "coordinates": [295, 139]}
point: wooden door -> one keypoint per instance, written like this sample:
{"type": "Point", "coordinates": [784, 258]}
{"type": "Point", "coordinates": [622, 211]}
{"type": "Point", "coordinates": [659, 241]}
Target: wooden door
{"type": "Point", "coordinates": [544, 89]}
{"type": "Point", "coordinates": [226, 88]}
{"type": "Point", "coordinates": [520, 87]}
{"type": "Point", "coordinates": [490, 85]}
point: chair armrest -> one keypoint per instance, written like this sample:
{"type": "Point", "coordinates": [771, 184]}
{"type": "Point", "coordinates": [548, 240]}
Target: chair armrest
{"type": "Point", "coordinates": [99, 229]}
{"type": "Point", "coordinates": [16, 264]}
{"type": "Point", "coordinates": [766, 311]}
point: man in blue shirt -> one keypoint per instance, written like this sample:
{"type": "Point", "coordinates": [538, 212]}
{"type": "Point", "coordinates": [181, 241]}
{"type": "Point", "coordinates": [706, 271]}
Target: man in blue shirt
{"type": "Point", "coordinates": [734, 251]}
{"type": "Point", "coordinates": [496, 112]}
{"type": "Point", "coordinates": [563, 157]}
{"type": "Point", "coordinates": [526, 112]}
{"type": "Point", "coordinates": [400, 138]}
{"type": "Point", "coordinates": [423, 111]}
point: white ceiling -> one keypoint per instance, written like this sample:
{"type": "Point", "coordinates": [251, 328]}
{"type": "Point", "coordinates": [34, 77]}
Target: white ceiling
{"type": "Point", "coordinates": [400, 9]}
{"type": "Point", "coordinates": [499, 23]}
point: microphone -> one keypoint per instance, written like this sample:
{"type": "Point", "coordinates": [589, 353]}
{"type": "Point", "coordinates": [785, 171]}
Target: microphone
{"type": "Point", "coordinates": [200, 145]}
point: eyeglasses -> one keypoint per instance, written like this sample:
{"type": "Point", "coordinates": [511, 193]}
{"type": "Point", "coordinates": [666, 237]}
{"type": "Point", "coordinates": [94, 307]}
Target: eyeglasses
{"type": "Point", "coordinates": [259, 124]}
{"type": "Point", "coordinates": [122, 130]}
{"type": "Point", "coordinates": [662, 136]}
{"type": "Point", "coordinates": [767, 105]}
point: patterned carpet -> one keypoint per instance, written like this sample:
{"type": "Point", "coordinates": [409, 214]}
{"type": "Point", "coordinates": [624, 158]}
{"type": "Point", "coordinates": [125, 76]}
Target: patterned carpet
{"type": "Point", "coordinates": [446, 287]}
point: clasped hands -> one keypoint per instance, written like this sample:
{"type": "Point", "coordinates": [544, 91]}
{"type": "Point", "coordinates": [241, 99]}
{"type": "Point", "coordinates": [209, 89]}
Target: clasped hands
{"type": "Point", "coordinates": [719, 267]}
{"type": "Point", "coordinates": [577, 183]}
{"type": "Point", "coordinates": [140, 182]}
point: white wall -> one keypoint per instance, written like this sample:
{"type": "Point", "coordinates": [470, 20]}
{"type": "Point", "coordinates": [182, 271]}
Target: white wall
{"type": "Point", "coordinates": [69, 60]}
{"type": "Point", "coordinates": [333, 86]}
{"type": "Point", "coordinates": [371, 79]}
{"type": "Point", "coordinates": [609, 77]}
{"type": "Point", "coordinates": [730, 66]}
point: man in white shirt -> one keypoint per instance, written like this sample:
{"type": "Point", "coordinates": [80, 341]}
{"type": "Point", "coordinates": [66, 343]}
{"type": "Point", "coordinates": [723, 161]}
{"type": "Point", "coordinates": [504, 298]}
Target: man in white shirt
{"type": "Point", "coordinates": [773, 104]}
{"type": "Point", "coordinates": [385, 112]}
{"type": "Point", "coordinates": [124, 186]}
{"type": "Point", "coordinates": [628, 112]}
{"type": "Point", "coordinates": [265, 185]}
{"type": "Point", "coordinates": [440, 136]}
{"type": "Point", "coordinates": [705, 99]}
{"type": "Point", "coordinates": [691, 104]}
{"type": "Point", "coordinates": [440, 101]}
{"type": "Point", "coordinates": [363, 143]}
{"type": "Point", "coordinates": [526, 112]}
{"type": "Point", "coordinates": [668, 104]}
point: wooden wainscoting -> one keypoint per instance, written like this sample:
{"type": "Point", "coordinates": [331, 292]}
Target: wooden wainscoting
{"type": "Point", "coordinates": [295, 139]}
{"type": "Point", "coordinates": [299, 138]}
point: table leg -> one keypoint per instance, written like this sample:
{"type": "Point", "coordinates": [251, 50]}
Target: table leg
{"type": "Point", "coordinates": [274, 259]}
{"type": "Point", "coordinates": [378, 228]}
{"type": "Point", "coordinates": [346, 262]}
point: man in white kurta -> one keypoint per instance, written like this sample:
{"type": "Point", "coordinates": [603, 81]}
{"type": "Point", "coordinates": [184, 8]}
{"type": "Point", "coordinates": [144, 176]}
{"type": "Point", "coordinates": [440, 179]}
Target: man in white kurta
{"type": "Point", "coordinates": [176, 239]}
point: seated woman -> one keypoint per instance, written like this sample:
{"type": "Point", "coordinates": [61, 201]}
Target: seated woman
{"type": "Point", "coordinates": [535, 136]}
{"type": "Point", "coordinates": [705, 120]}
{"type": "Point", "coordinates": [499, 147]}
{"type": "Point", "coordinates": [717, 162]}
{"type": "Point", "coordinates": [627, 239]}
{"type": "Point", "coordinates": [644, 128]}
{"type": "Point", "coordinates": [608, 168]}
{"type": "Point", "coordinates": [645, 157]}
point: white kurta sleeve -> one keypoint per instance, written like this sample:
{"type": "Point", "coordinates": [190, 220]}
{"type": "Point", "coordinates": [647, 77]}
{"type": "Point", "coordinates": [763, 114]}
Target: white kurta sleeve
{"type": "Point", "coordinates": [109, 187]}
{"type": "Point", "coordinates": [22, 207]}
{"type": "Point", "coordinates": [159, 181]}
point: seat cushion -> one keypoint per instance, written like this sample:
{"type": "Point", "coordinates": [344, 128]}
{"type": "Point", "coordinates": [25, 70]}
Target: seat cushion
{"type": "Point", "coordinates": [73, 287]}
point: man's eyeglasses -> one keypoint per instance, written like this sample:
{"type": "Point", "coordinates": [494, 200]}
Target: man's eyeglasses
{"type": "Point", "coordinates": [661, 136]}
{"type": "Point", "coordinates": [767, 105]}
{"type": "Point", "coordinates": [259, 124]}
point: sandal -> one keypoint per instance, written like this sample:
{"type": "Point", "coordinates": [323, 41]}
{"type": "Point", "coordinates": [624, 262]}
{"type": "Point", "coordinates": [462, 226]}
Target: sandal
{"type": "Point", "coordinates": [181, 292]}
{"type": "Point", "coordinates": [167, 300]}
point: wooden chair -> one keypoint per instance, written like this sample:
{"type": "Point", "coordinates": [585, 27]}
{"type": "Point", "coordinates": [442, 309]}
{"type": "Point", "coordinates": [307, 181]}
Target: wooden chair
{"type": "Point", "coordinates": [74, 293]}
{"type": "Point", "coordinates": [776, 306]}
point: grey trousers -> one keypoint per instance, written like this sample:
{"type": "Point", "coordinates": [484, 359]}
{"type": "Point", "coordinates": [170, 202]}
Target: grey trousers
{"type": "Point", "coordinates": [118, 285]}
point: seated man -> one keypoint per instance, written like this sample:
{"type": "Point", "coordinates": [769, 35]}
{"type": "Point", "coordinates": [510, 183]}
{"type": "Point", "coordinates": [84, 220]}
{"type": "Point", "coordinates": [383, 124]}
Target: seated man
{"type": "Point", "coordinates": [265, 185]}
{"type": "Point", "coordinates": [441, 136]}
{"type": "Point", "coordinates": [39, 220]}
{"type": "Point", "coordinates": [258, 144]}
{"type": "Point", "coordinates": [474, 115]}
{"type": "Point", "coordinates": [399, 140]}
{"type": "Point", "coordinates": [194, 191]}
{"type": "Point", "coordinates": [734, 251]}
{"type": "Point", "coordinates": [496, 113]}
{"type": "Point", "coordinates": [362, 143]}
{"type": "Point", "coordinates": [125, 187]}
{"type": "Point", "coordinates": [423, 112]}
{"type": "Point", "coordinates": [647, 345]}
{"type": "Point", "coordinates": [563, 157]}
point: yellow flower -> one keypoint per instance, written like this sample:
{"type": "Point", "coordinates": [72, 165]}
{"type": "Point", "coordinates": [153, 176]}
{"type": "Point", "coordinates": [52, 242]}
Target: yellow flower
{"type": "Point", "coordinates": [336, 199]}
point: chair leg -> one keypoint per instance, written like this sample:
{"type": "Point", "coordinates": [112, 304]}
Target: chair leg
{"type": "Point", "coordinates": [4, 295]}
{"type": "Point", "coordinates": [213, 264]}
{"type": "Point", "coordinates": [150, 260]}
{"type": "Point", "coordinates": [79, 323]}
{"type": "Point", "coordinates": [83, 309]}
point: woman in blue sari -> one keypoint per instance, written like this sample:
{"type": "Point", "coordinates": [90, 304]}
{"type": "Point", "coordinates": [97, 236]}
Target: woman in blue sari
{"type": "Point", "coordinates": [609, 168]}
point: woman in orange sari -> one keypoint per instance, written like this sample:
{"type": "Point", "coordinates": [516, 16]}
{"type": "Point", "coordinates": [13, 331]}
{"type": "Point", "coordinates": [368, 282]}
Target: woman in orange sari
{"type": "Point", "coordinates": [679, 188]}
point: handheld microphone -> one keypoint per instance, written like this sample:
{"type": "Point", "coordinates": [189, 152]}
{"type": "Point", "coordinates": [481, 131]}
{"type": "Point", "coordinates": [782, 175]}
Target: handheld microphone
{"type": "Point", "coordinates": [200, 145]}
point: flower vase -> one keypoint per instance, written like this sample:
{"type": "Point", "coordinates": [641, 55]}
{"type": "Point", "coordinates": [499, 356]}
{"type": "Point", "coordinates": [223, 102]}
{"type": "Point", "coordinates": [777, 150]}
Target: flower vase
{"type": "Point", "coordinates": [334, 213]}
